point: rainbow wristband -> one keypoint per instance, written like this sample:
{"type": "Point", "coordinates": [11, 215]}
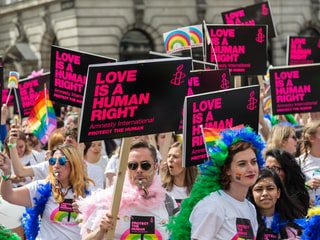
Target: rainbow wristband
{"type": "Point", "coordinates": [12, 145]}
{"type": "Point", "coordinates": [6, 177]}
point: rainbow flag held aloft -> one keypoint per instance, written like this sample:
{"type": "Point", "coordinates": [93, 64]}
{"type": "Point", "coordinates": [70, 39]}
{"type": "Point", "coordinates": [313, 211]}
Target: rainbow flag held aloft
{"type": "Point", "coordinates": [177, 40]}
{"type": "Point", "coordinates": [42, 119]}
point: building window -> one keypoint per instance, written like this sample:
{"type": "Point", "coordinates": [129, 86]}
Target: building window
{"type": "Point", "coordinates": [135, 45]}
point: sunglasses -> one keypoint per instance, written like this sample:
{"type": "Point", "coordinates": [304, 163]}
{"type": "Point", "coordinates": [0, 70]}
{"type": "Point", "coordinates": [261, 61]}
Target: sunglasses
{"type": "Point", "coordinates": [144, 165]}
{"type": "Point", "coordinates": [61, 160]}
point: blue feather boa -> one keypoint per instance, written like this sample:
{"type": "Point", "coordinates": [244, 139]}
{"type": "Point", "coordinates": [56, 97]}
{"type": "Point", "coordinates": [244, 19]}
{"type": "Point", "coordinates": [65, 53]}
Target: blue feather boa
{"type": "Point", "coordinates": [277, 224]}
{"type": "Point", "coordinates": [31, 218]}
{"type": "Point", "coordinates": [311, 227]}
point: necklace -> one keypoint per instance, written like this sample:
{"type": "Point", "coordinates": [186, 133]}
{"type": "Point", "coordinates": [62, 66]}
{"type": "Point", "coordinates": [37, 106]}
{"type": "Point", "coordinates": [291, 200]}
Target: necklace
{"type": "Point", "coordinates": [66, 191]}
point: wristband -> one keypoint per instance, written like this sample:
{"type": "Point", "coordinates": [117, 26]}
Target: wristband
{"type": "Point", "coordinates": [6, 177]}
{"type": "Point", "coordinates": [12, 145]}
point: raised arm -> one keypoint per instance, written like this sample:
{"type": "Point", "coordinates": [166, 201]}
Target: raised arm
{"type": "Point", "coordinates": [19, 169]}
{"type": "Point", "coordinates": [19, 196]}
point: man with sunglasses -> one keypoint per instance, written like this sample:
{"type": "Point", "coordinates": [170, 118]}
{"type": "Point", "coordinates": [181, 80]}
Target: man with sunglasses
{"type": "Point", "coordinates": [144, 204]}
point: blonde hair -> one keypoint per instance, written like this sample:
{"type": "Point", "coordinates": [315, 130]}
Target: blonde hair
{"type": "Point", "coordinates": [78, 177]}
{"type": "Point", "coordinates": [55, 139]}
{"type": "Point", "coordinates": [277, 135]}
{"type": "Point", "coordinates": [309, 131]}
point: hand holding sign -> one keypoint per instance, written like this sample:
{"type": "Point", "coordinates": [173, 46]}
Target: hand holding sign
{"type": "Point", "coordinates": [107, 222]}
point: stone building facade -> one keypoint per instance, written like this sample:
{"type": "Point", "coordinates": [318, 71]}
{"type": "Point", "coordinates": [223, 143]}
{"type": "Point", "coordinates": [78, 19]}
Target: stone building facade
{"type": "Point", "coordinates": [126, 29]}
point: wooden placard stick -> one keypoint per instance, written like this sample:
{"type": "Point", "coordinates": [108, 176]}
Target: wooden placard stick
{"type": "Point", "coordinates": [164, 148]}
{"type": "Point", "coordinates": [80, 146]}
{"type": "Point", "coordinates": [237, 81]}
{"type": "Point", "coordinates": [117, 191]}
{"type": "Point", "coordinates": [261, 82]}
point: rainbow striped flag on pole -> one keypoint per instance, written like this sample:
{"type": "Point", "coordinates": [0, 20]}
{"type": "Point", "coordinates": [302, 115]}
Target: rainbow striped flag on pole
{"type": "Point", "coordinates": [42, 119]}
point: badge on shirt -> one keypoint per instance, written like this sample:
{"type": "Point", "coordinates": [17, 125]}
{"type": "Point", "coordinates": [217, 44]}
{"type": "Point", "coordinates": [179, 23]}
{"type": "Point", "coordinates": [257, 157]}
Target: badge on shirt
{"type": "Point", "coordinates": [269, 235]}
{"type": "Point", "coordinates": [66, 205]}
{"type": "Point", "coordinates": [244, 229]}
{"type": "Point", "coordinates": [142, 225]}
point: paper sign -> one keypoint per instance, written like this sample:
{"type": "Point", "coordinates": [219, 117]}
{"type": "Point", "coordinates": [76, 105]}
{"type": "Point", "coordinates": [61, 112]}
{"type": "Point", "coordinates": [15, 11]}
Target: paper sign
{"type": "Point", "coordinates": [251, 15]}
{"type": "Point", "coordinates": [295, 89]}
{"type": "Point", "coordinates": [239, 48]}
{"type": "Point", "coordinates": [207, 81]}
{"type": "Point", "coordinates": [28, 91]}
{"type": "Point", "coordinates": [303, 50]}
{"type": "Point", "coordinates": [134, 98]}
{"type": "Point", "coordinates": [220, 110]}
{"type": "Point", "coordinates": [69, 74]}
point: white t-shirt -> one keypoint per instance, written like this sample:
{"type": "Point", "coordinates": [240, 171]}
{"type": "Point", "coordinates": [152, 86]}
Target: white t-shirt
{"type": "Point", "coordinates": [41, 171]}
{"type": "Point", "coordinates": [102, 163]}
{"type": "Point", "coordinates": [10, 215]}
{"type": "Point", "coordinates": [97, 175]}
{"type": "Point", "coordinates": [311, 168]}
{"type": "Point", "coordinates": [123, 224]}
{"type": "Point", "coordinates": [33, 158]}
{"type": "Point", "coordinates": [112, 165]}
{"type": "Point", "coordinates": [55, 224]}
{"type": "Point", "coordinates": [220, 216]}
{"type": "Point", "coordinates": [178, 193]}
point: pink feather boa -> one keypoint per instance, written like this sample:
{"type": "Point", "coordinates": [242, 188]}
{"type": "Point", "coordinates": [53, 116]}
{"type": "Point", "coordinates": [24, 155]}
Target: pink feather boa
{"type": "Point", "coordinates": [100, 202]}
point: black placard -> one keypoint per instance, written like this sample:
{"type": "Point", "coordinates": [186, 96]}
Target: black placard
{"type": "Point", "coordinates": [28, 91]}
{"type": "Point", "coordinates": [303, 50]}
{"type": "Point", "coordinates": [134, 98]}
{"type": "Point", "coordinates": [202, 81]}
{"type": "Point", "coordinates": [295, 89]}
{"type": "Point", "coordinates": [220, 110]}
{"type": "Point", "coordinates": [259, 13]}
{"type": "Point", "coordinates": [239, 48]}
{"type": "Point", "coordinates": [69, 74]}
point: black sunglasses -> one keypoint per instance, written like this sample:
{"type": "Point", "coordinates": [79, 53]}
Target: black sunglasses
{"type": "Point", "coordinates": [144, 165]}
{"type": "Point", "coordinates": [61, 160]}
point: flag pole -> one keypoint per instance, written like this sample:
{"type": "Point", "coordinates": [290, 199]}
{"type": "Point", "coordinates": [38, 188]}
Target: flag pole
{"type": "Point", "coordinates": [8, 96]}
{"type": "Point", "coordinates": [45, 101]}
{"type": "Point", "coordinates": [210, 43]}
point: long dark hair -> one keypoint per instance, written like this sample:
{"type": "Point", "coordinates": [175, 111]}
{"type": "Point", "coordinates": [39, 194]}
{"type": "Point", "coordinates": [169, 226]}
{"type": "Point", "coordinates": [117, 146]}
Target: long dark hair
{"type": "Point", "coordinates": [287, 208]}
{"type": "Point", "coordinates": [294, 181]}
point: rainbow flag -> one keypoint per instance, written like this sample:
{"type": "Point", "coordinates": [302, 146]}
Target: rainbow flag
{"type": "Point", "coordinates": [177, 40]}
{"type": "Point", "coordinates": [42, 119]}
